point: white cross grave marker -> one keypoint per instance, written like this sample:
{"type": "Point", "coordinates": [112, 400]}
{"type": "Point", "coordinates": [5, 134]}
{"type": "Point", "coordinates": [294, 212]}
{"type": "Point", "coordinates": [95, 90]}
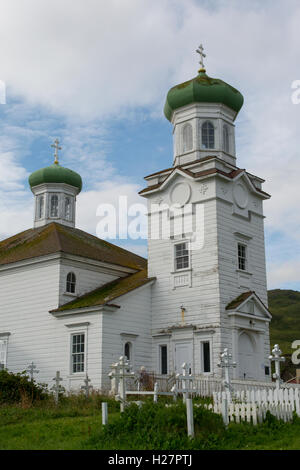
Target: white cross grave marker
{"type": "Point", "coordinates": [86, 387]}
{"type": "Point", "coordinates": [57, 387]}
{"type": "Point", "coordinates": [226, 363]}
{"type": "Point", "coordinates": [32, 370]}
{"type": "Point", "coordinates": [277, 359]}
{"type": "Point", "coordinates": [121, 370]}
{"type": "Point", "coordinates": [113, 377]}
{"type": "Point", "coordinates": [186, 379]}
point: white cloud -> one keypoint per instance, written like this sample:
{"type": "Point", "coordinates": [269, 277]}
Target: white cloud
{"type": "Point", "coordinates": [106, 193]}
{"type": "Point", "coordinates": [287, 272]}
{"type": "Point", "coordinates": [15, 202]}
{"type": "Point", "coordinates": [91, 60]}
{"type": "Point", "coordinates": [95, 58]}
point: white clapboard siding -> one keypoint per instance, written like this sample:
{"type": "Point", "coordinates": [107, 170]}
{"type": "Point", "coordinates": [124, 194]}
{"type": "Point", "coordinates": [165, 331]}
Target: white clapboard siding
{"type": "Point", "coordinates": [130, 323]}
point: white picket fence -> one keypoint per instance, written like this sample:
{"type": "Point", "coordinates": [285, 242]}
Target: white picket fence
{"type": "Point", "coordinates": [207, 386]}
{"type": "Point", "coordinates": [283, 396]}
{"type": "Point", "coordinates": [252, 412]}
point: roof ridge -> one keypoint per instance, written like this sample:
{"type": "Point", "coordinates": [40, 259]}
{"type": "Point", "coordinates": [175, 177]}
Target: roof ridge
{"type": "Point", "coordinates": [98, 240]}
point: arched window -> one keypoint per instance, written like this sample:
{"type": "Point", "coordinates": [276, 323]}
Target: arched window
{"type": "Point", "coordinates": [225, 138]}
{"type": "Point", "coordinates": [208, 135]}
{"type": "Point", "coordinates": [128, 351]}
{"type": "Point", "coordinates": [41, 207]}
{"type": "Point", "coordinates": [68, 208]}
{"type": "Point", "coordinates": [187, 138]}
{"type": "Point", "coordinates": [54, 206]}
{"type": "Point", "coordinates": [71, 283]}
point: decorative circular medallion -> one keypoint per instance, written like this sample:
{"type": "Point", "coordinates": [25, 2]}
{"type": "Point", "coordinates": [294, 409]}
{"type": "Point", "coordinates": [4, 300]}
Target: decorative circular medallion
{"type": "Point", "coordinates": [240, 196]}
{"type": "Point", "coordinates": [181, 194]}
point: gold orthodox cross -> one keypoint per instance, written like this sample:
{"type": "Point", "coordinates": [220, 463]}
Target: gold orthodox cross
{"type": "Point", "coordinates": [57, 148]}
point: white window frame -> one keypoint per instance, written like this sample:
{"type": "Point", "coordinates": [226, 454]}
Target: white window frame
{"type": "Point", "coordinates": [187, 127]}
{"type": "Point", "coordinates": [50, 206]}
{"type": "Point", "coordinates": [41, 208]}
{"type": "Point", "coordinates": [181, 242]}
{"type": "Point", "coordinates": [226, 138]}
{"type": "Point", "coordinates": [84, 353]}
{"type": "Point", "coordinates": [4, 346]}
{"type": "Point", "coordinates": [130, 358]}
{"type": "Point", "coordinates": [246, 256]}
{"type": "Point", "coordinates": [160, 346]}
{"type": "Point", "coordinates": [70, 217]}
{"type": "Point", "coordinates": [77, 329]}
{"type": "Point", "coordinates": [201, 134]}
{"type": "Point", "coordinates": [69, 282]}
{"type": "Point", "coordinates": [129, 338]}
{"type": "Point", "coordinates": [202, 341]}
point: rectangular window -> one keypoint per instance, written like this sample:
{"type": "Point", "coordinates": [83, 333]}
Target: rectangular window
{"type": "Point", "coordinates": [242, 257]}
{"type": "Point", "coordinates": [3, 353]}
{"type": "Point", "coordinates": [205, 356]}
{"type": "Point", "coordinates": [163, 360]}
{"type": "Point", "coordinates": [181, 256]}
{"type": "Point", "coordinates": [41, 207]}
{"type": "Point", "coordinates": [78, 351]}
{"type": "Point", "coordinates": [54, 206]}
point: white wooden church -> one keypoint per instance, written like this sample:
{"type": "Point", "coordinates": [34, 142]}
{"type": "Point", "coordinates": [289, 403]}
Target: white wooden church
{"type": "Point", "coordinates": [72, 302]}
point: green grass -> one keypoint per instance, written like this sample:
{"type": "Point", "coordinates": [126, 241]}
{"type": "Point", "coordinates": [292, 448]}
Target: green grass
{"type": "Point", "coordinates": [45, 426]}
{"type": "Point", "coordinates": [163, 428]}
{"type": "Point", "coordinates": [76, 425]}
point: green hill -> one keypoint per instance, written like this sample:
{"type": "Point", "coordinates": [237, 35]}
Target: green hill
{"type": "Point", "coordinates": [284, 306]}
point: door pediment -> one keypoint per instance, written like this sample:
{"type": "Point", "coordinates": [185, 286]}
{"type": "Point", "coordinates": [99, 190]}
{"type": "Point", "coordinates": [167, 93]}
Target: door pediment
{"type": "Point", "coordinates": [249, 305]}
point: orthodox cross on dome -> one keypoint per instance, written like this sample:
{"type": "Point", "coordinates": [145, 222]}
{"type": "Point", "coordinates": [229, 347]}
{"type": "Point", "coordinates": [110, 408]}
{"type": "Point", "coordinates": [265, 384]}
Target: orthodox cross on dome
{"type": "Point", "coordinates": [202, 55]}
{"type": "Point", "coordinates": [57, 147]}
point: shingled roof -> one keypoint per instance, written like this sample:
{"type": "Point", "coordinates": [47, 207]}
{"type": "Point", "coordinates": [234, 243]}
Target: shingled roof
{"type": "Point", "coordinates": [108, 292]}
{"type": "Point", "coordinates": [239, 300]}
{"type": "Point", "coordinates": [55, 238]}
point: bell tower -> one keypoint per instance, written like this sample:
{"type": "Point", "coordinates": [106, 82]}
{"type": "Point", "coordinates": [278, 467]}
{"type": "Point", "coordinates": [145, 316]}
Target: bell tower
{"type": "Point", "coordinates": [55, 189]}
{"type": "Point", "coordinates": [211, 290]}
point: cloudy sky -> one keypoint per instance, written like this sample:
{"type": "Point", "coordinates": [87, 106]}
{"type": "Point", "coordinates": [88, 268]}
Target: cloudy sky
{"type": "Point", "coordinates": [95, 73]}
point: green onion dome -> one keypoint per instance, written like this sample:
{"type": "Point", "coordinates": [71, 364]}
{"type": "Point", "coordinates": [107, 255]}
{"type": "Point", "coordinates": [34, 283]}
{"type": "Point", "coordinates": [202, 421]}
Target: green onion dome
{"type": "Point", "coordinates": [202, 89]}
{"type": "Point", "coordinates": [55, 174]}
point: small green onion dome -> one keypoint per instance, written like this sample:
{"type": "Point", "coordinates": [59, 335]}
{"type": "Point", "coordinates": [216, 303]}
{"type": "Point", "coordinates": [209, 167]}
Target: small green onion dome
{"type": "Point", "coordinates": [55, 174]}
{"type": "Point", "coordinates": [202, 89]}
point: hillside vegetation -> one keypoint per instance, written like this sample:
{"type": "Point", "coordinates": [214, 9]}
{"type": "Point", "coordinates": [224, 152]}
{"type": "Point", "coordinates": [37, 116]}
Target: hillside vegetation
{"type": "Point", "coordinates": [284, 306]}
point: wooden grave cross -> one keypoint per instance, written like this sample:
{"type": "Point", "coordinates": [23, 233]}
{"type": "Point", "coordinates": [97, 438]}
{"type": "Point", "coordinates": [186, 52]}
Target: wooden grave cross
{"type": "Point", "coordinates": [86, 387]}
{"type": "Point", "coordinates": [122, 371]}
{"type": "Point", "coordinates": [276, 357]}
{"type": "Point", "coordinates": [32, 370]}
{"type": "Point", "coordinates": [226, 363]}
{"type": "Point", "coordinates": [57, 387]}
{"type": "Point", "coordinates": [186, 378]}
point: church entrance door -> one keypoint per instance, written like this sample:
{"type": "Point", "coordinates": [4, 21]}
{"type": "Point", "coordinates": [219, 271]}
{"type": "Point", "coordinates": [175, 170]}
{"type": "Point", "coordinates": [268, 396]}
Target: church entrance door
{"type": "Point", "coordinates": [183, 353]}
{"type": "Point", "coordinates": [246, 357]}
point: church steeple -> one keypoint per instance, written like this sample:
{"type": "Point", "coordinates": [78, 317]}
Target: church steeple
{"type": "Point", "coordinates": [202, 111]}
{"type": "Point", "coordinates": [55, 189]}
